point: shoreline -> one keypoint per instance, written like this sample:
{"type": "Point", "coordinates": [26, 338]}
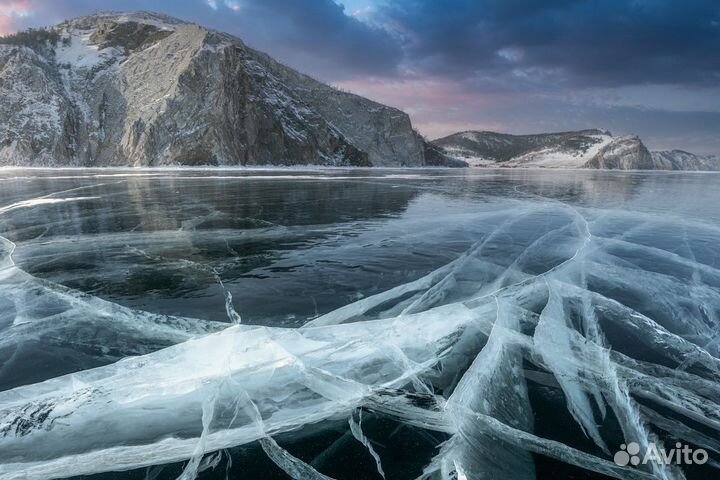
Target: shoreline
{"type": "Point", "coordinates": [298, 168]}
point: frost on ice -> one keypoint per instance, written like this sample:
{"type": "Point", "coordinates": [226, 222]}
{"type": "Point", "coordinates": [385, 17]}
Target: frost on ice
{"type": "Point", "coordinates": [609, 316]}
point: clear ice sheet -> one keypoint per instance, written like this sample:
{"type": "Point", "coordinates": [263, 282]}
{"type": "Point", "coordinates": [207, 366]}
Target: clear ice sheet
{"type": "Point", "coordinates": [613, 314]}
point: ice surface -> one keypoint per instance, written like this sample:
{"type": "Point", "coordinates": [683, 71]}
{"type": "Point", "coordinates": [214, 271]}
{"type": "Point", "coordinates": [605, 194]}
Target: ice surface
{"type": "Point", "coordinates": [356, 429]}
{"type": "Point", "coordinates": [608, 318]}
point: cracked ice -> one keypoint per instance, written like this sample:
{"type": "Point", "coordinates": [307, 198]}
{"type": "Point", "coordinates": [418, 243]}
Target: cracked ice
{"type": "Point", "coordinates": [608, 316]}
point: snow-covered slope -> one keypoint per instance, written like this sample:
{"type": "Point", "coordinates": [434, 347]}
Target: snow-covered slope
{"type": "Point", "coordinates": [147, 89]}
{"type": "Point", "coordinates": [681, 160]}
{"type": "Point", "coordinates": [559, 150]}
{"type": "Point", "coordinates": [581, 149]}
{"type": "Point", "coordinates": [571, 152]}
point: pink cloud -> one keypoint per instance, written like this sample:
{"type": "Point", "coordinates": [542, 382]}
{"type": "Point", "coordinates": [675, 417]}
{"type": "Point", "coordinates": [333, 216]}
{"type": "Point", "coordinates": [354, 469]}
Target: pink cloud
{"type": "Point", "coordinates": [15, 7]}
{"type": "Point", "coordinates": [409, 93]}
{"type": "Point", "coordinates": [10, 11]}
{"type": "Point", "coordinates": [436, 106]}
{"type": "Point", "coordinates": [5, 25]}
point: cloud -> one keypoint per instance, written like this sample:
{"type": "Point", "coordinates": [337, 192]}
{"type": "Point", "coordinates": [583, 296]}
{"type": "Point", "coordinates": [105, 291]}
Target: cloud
{"type": "Point", "coordinates": [15, 8]}
{"type": "Point", "coordinates": [440, 106]}
{"type": "Point", "coordinates": [314, 36]}
{"type": "Point", "coordinates": [5, 25]}
{"type": "Point", "coordinates": [648, 67]}
{"type": "Point", "coordinates": [587, 42]}
{"type": "Point", "coordinates": [521, 45]}
{"type": "Point", "coordinates": [10, 12]}
{"type": "Point", "coordinates": [319, 37]}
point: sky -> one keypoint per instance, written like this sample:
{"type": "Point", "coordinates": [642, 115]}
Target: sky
{"type": "Point", "coordinates": [644, 67]}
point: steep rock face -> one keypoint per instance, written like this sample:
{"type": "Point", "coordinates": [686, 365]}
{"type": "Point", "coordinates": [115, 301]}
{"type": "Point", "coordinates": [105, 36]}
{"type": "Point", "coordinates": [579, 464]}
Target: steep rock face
{"type": "Point", "coordinates": [385, 133]}
{"type": "Point", "coordinates": [146, 89]}
{"type": "Point", "coordinates": [681, 160]}
{"type": "Point", "coordinates": [625, 153]}
{"type": "Point", "coordinates": [36, 117]}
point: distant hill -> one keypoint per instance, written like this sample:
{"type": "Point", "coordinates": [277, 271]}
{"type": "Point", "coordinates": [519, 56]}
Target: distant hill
{"type": "Point", "coordinates": [681, 160]}
{"type": "Point", "coordinates": [579, 149]}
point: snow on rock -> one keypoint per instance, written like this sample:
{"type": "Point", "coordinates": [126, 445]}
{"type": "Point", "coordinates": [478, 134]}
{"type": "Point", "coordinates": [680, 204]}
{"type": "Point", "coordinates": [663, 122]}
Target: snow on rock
{"type": "Point", "coordinates": [146, 89]}
{"type": "Point", "coordinates": [77, 51]}
{"type": "Point", "coordinates": [681, 160]}
{"type": "Point", "coordinates": [34, 108]}
{"type": "Point", "coordinates": [625, 153]}
{"type": "Point", "coordinates": [554, 150]}
{"type": "Point", "coordinates": [560, 157]}
{"type": "Point", "coordinates": [582, 149]}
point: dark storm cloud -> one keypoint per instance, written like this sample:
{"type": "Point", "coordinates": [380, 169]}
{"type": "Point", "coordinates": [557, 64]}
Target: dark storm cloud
{"type": "Point", "coordinates": [516, 43]}
{"type": "Point", "coordinates": [649, 67]}
{"type": "Point", "coordinates": [316, 33]}
{"type": "Point", "coordinates": [316, 36]}
{"type": "Point", "coordinates": [588, 42]}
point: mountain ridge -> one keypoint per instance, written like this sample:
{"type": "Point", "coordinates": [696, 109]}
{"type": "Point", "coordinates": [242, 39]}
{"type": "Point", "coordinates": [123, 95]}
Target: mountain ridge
{"type": "Point", "coordinates": [146, 89]}
{"type": "Point", "coordinates": [682, 160]}
{"type": "Point", "coordinates": [589, 148]}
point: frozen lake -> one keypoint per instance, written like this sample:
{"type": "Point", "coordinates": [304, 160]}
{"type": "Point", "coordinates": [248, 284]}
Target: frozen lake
{"type": "Point", "coordinates": [534, 321]}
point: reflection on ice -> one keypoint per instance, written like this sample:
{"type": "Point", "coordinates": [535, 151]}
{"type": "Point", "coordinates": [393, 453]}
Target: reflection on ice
{"type": "Point", "coordinates": [604, 318]}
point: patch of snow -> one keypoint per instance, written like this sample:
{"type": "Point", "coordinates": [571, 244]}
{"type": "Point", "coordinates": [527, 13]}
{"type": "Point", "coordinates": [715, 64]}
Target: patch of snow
{"type": "Point", "coordinates": [159, 21]}
{"type": "Point", "coordinates": [552, 157]}
{"type": "Point", "coordinates": [81, 53]}
{"type": "Point", "coordinates": [468, 156]}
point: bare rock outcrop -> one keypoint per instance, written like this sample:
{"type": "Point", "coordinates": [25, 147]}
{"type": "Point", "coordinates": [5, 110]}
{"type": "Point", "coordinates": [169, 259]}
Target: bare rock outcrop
{"type": "Point", "coordinates": [145, 89]}
{"type": "Point", "coordinates": [625, 153]}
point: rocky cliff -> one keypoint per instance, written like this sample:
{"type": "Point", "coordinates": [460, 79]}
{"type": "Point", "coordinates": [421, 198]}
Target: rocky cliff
{"type": "Point", "coordinates": [625, 153]}
{"type": "Point", "coordinates": [581, 149]}
{"type": "Point", "coordinates": [145, 89]}
{"type": "Point", "coordinates": [681, 160]}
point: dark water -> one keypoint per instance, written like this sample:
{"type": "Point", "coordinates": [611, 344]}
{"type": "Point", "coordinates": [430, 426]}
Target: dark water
{"type": "Point", "coordinates": [283, 247]}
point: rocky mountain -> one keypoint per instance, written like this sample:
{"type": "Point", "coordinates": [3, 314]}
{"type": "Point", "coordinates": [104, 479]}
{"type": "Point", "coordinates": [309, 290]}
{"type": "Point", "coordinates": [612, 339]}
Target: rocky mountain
{"type": "Point", "coordinates": [146, 89]}
{"type": "Point", "coordinates": [624, 153]}
{"type": "Point", "coordinates": [681, 160]}
{"type": "Point", "coordinates": [580, 149]}
{"type": "Point", "coordinates": [493, 149]}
